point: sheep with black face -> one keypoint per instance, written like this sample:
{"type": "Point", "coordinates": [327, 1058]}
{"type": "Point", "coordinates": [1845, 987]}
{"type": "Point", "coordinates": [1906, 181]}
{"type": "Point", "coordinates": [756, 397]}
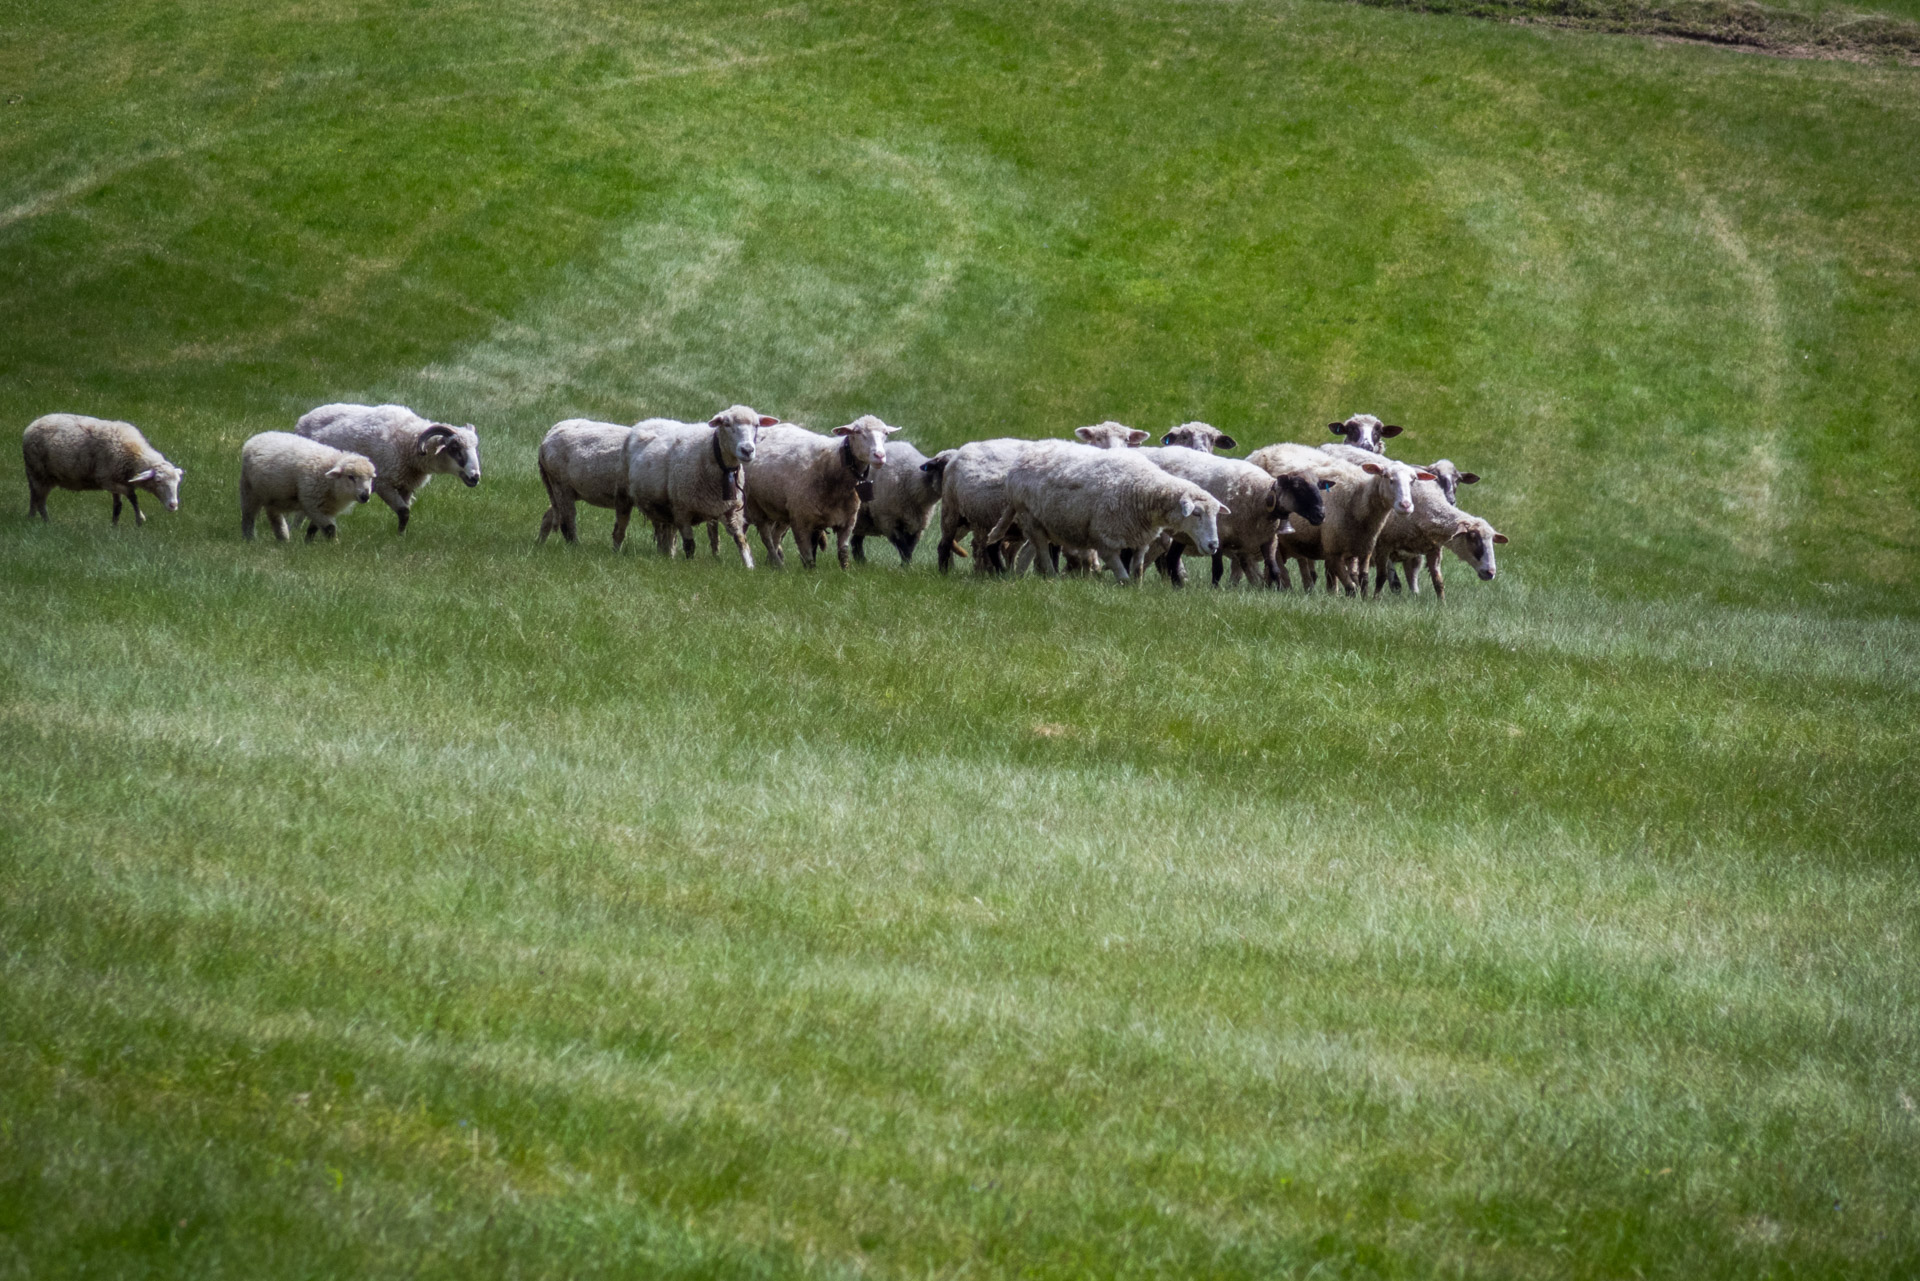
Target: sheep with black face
{"type": "Point", "coordinates": [407, 450]}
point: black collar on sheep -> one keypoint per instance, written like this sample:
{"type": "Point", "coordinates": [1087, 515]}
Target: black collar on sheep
{"type": "Point", "coordinates": [730, 475]}
{"type": "Point", "coordinates": [862, 472]}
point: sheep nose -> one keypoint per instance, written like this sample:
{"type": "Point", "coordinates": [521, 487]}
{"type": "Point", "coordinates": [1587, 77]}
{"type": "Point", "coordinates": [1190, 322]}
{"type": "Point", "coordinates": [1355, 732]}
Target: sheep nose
{"type": "Point", "coordinates": [1486, 575]}
{"type": "Point", "coordinates": [174, 506]}
{"type": "Point", "coordinates": [1404, 505]}
{"type": "Point", "coordinates": [471, 481]}
{"type": "Point", "coordinates": [745, 451]}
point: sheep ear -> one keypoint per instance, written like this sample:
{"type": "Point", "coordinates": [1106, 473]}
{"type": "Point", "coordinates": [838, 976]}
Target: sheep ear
{"type": "Point", "coordinates": [1468, 478]}
{"type": "Point", "coordinates": [145, 475]}
{"type": "Point", "coordinates": [718, 420]}
{"type": "Point", "coordinates": [768, 420]}
{"type": "Point", "coordinates": [1325, 485]}
{"type": "Point", "coordinates": [1338, 429]}
{"type": "Point", "coordinates": [1167, 439]}
{"type": "Point", "coordinates": [1135, 436]}
{"type": "Point", "coordinates": [1499, 538]}
{"type": "Point", "coordinates": [1226, 442]}
{"type": "Point", "coordinates": [1372, 469]}
{"type": "Point", "coordinates": [335, 469]}
{"type": "Point", "coordinates": [1080, 433]}
{"type": "Point", "coordinates": [1224, 510]}
{"type": "Point", "coordinates": [1391, 431]}
{"type": "Point", "coordinates": [1186, 505]}
{"type": "Point", "coordinates": [1424, 475]}
{"type": "Point", "coordinates": [843, 431]}
{"type": "Point", "coordinates": [892, 430]}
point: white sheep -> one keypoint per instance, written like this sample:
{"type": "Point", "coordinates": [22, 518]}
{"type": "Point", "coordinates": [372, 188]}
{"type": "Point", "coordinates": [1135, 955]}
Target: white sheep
{"type": "Point", "coordinates": [1434, 524]}
{"type": "Point", "coordinates": [583, 461]}
{"type": "Point", "coordinates": [1367, 488]}
{"type": "Point", "coordinates": [904, 494]}
{"type": "Point", "coordinates": [972, 494]}
{"type": "Point", "coordinates": [1262, 505]}
{"type": "Point", "coordinates": [407, 450]}
{"type": "Point", "coordinates": [1364, 431]}
{"type": "Point", "coordinates": [1201, 436]}
{"type": "Point", "coordinates": [683, 474]}
{"type": "Point", "coordinates": [72, 451]}
{"type": "Point", "coordinates": [810, 483]}
{"type": "Point", "coordinates": [1110, 502]}
{"type": "Point", "coordinates": [281, 473]}
{"type": "Point", "coordinates": [1449, 478]}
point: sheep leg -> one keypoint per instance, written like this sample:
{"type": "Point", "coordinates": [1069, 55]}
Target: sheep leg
{"type": "Point", "coordinates": [843, 538]}
{"type": "Point", "coordinates": [738, 528]}
{"type": "Point", "coordinates": [713, 538]}
{"type": "Point", "coordinates": [687, 545]}
{"type": "Point", "coordinates": [1122, 559]}
{"type": "Point", "coordinates": [859, 546]}
{"type": "Point", "coordinates": [549, 519]}
{"type": "Point", "coordinates": [37, 498]}
{"type": "Point", "coordinates": [281, 533]}
{"type": "Point", "coordinates": [803, 539]}
{"type": "Point", "coordinates": [1380, 573]}
{"type": "Point", "coordinates": [139, 517]}
{"type": "Point", "coordinates": [399, 499]}
{"type": "Point", "coordinates": [248, 511]}
{"type": "Point", "coordinates": [1433, 573]}
{"type": "Point", "coordinates": [1170, 565]}
{"type": "Point", "coordinates": [904, 544]}
{"type": "Point", "coordinates": [622, 512]}
{"type": "Point", "coordinates": [771, 536]}
{"type": "Point", "coordinates": [116, 509]}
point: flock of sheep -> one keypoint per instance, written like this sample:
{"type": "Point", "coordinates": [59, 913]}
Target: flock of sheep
{"type": "Point", "coordinates": [1098, 501]}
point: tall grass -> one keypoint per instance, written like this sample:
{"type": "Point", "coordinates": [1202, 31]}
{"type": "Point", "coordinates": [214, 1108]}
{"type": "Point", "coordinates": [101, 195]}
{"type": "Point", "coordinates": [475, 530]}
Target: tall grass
{"type": "Point", "coordinates": [451, 905]}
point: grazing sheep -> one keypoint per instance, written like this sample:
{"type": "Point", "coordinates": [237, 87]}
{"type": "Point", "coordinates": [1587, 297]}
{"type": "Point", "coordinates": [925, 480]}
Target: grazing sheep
{"type": "Point", "coordinates": [904, 493]}
{"type": "Point", "coordinates": [810, 483]}
{"type": "Point", "coordinates": [681, 474]}
{"type": "Point", "coordinates": [1449, 478]}
{"type": "Point", "coordinates": [1261, 502]}
{"type": "Point", "coordinates": [1111, 502]}
{"type": "Point", "coordinates": [1364, 431]}
{"type": "Point", "coordinates": [1199, 436]}
{"type": "Point", "coordinates": [407, 450]}
{"type": "Point", "coordinates": [282, 473]}
{"type": "Point", "coordinates": [583, 461]}
{"type": "Point", "coordinates": [1408, 538]}
{"type": "Point", "coordinates": [972, 495]}
{"type": "Point", "coordinates": [72, 451]}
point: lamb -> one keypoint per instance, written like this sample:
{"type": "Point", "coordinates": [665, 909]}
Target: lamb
{"type": "Point", "coordinates": [1113, 503]}
{"type": "Point", "coordinates": [1364, 431]}
{"type": "Point", "coordinates": [281, 473]}
{"type": "Point", "coordinates": [1199, 436]}
{"type": "Point", "coordinates": [682, 474]}
{"type": "Point", "coordinates": [583, 461]}
{"type": "Point", "coordinates": [1262, 503]}
{"type": "Point", "coordinates": [810, 483]}
{"type": "Point", "coordinates": [904, 493]}
{"type": "Point", "coordinates": [72, 451]}
{"type": "Point", "coordinates": [407, 450]}
{"type": "Point", "coordinates": [972, 493]}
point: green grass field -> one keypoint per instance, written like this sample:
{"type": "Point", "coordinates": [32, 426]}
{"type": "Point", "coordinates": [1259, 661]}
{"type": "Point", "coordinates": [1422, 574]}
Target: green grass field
{"type": "Point", "coordinates": [455, 906]}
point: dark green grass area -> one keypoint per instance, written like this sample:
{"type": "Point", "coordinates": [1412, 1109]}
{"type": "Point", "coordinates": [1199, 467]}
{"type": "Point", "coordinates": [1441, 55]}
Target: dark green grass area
{"type": "Point", "coordinates": [454, 906]}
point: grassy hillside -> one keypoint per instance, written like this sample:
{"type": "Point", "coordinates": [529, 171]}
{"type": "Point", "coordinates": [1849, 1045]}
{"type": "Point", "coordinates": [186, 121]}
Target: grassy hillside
{"type": "Point", "coordinates": [456, 906]}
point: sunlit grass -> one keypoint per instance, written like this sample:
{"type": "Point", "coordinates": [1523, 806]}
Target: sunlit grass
{"type": "Point", "coordinates": [453, 905]}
